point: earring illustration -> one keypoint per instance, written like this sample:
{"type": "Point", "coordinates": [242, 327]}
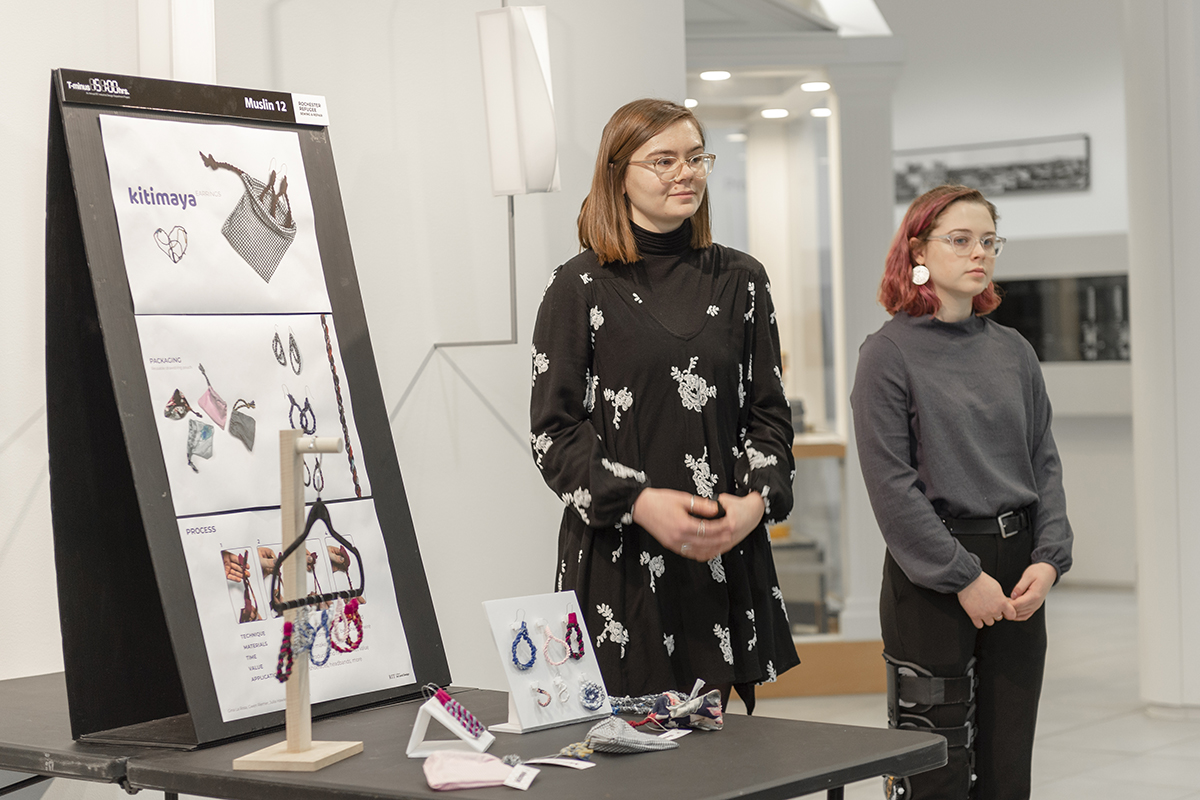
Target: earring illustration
{"type": "Point", "coordinates": [920, 274]}
{"type": "Point", "coordinates": [294, 353]}
{"type": "Point", "coordinates": [277, 349]}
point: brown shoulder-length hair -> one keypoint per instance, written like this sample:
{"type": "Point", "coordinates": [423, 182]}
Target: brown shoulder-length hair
{"type": "Point", "coordinates": [604, 224]}
{"type": "Point", "coordinates": [897, 292]}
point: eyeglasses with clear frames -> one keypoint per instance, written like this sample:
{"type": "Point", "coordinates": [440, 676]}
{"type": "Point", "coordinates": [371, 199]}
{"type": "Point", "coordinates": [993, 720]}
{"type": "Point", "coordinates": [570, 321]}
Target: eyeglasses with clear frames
{"type": "Point", "coordinates": [668, 167]}
{"type": "Point", "coordinates": [964, 243]}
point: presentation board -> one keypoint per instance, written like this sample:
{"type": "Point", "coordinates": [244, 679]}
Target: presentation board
{"type": "Point", "coordinates": [201, 296]}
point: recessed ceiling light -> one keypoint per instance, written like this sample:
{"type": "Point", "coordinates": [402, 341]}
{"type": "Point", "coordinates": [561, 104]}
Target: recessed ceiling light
{"type": "Point", "coordinates": [736, 137]}
{"type": "Point", "coordinates": [774, 113]}
{"type": "Point", "coordinates": [821, 112]}
{"type": "Point", "coordinates": [715, 75]}
{"type": "Point", "coordinates": [691, 102]}
{"type": "Point", "coordinates": [814, 86]}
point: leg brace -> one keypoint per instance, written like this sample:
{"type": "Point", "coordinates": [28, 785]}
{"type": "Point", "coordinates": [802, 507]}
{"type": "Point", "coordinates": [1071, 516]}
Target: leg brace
{"type": "Point", "coordinates": [912, 691]}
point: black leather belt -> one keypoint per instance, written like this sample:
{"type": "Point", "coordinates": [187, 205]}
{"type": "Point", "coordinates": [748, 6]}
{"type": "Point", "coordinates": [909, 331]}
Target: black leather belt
{"type": "Point", "coordinates": [1010, 523]}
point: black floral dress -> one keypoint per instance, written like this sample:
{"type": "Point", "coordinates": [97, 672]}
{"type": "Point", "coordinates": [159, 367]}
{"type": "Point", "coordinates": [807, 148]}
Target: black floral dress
{"type": "Point", "coordinates": [665, 373]}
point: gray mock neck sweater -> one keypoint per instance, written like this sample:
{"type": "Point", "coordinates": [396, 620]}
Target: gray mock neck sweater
{"type": "Point", "coordinates": [952, 420]}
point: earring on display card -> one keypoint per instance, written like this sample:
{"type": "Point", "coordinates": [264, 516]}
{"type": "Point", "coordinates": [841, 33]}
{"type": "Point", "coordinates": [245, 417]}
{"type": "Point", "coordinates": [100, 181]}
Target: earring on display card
{"type": "Point", "coordinates": [543, 697]}
{"type": "Point", "coordinates": [523, 635]}
{"type": "Point", "coordinates": [574, 637]}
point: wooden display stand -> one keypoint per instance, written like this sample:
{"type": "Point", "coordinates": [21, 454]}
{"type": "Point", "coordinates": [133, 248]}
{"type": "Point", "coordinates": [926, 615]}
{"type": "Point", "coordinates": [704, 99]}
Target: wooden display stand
{"type": "Point", "coordinates": [298, 753]}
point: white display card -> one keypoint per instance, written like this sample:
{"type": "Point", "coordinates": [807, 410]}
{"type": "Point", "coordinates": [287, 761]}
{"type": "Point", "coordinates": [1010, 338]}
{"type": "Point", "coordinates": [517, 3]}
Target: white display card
{"type": "Point", "coordinates": [563, 682]}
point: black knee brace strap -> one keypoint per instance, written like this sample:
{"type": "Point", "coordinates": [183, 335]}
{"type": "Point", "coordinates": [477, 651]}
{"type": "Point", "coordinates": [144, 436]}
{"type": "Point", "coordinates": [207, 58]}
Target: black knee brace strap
{"type": "Point", "coordinates": [913, 690]}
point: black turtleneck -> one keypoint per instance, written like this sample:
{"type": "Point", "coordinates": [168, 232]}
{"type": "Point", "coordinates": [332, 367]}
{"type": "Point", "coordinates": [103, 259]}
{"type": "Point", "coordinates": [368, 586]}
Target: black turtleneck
{"type": "Point", "coordinates": [669, 269]}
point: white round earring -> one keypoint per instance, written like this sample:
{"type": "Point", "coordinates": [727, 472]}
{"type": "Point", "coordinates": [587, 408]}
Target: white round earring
{"type": "Point", "coordinates": [920, 274]}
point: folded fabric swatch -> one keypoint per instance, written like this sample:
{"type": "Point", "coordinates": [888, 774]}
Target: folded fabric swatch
{"type": "Point", "coordinates": [452, 769]}
{"type": "Point", "coordinates": [614, 735]}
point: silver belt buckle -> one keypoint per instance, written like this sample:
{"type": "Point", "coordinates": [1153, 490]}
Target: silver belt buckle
{"type": "Point", "coordinates": [1004, 532]}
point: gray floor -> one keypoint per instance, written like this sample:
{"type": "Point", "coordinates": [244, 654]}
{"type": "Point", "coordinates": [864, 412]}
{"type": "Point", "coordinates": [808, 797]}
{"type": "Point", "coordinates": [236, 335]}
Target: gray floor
{"type": "Point", "coordinates": [1094, 738]}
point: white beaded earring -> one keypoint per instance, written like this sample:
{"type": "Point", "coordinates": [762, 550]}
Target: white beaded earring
{"type": "Point", "coordinates": [920, 274]}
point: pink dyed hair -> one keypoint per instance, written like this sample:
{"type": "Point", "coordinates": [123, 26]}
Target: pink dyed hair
{"type": "Point", "coordinates": [897, 292]}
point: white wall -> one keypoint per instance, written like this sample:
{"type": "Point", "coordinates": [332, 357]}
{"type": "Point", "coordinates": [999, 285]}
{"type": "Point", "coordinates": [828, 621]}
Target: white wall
{"type": "Point", "coordinates": [978, 72]}
{"type": "Point", "coordinates": [430, 244]}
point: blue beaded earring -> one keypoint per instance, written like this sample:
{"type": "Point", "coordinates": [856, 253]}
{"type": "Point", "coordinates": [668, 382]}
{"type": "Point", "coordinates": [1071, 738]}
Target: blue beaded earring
{"type": "Point", "coordinates": [523, 635]}
{"type": "Point", "coordinates": [591, 696]}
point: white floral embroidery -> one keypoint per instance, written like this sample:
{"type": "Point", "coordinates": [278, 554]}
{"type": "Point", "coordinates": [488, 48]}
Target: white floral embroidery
{"type": "Point", "coordinates": [694, 391]}
{"type": "Point", "coordinates": [736, 453]}
{"type": "Point", "coordinates": [596, 317]}
{"type": "Point", "coordinates": [613, 631]}
{"type": "Point", "coordinates": [562, 572]}
{"type": "Point", "coordinates": [750, 369]}
{"type": "Point", "coordinates": [589, 390]}
{"type": "Point", "coordinates": [713, 311]}
{"type": "Point", "coordinates": [541, 363]}
{"type": "Point", "coordinates": [586, 278]}
{"type": "Point", "coordinates": [772, 317]}
{"type": "Point", "coordinates": [741, 386]}
{"type": "Point", "coordinates": [621, 471]}
{"type": "Point", "coordinates": [579, 558]}
{"type": "Point", "coordinates": [635, 297]}
{"type": "Point", "coordinates": [549, 283]}
{"type": "Point", "coordinates": [771, 676]}
{"type": "Point", "coordinates": [749, 315]}
{"type": "Point", "coordinates": [768, 285]}
{"type": "Point", "coordinates": [777, 593]}
{"type": "Point", "coordinates": [620, 549]}
{"type": "Point", "coordinates": [758, 459]}
{"type": "Point", "coordinates": [669, 643]}
{"type": "Point", "coordinates": [717, 567]}
{"type": "Point", "coordinates": [621, 401]}
{"type": "Point", "coordinates": [580, 499]}
{"type": "Point", "coordinates": [655, 564]}
{"type": "Point", "coordinates": [701, 473]}
{"type": "Point", "coordinates": [779, 375]}
{"type": "Point", "coordinates": [541, 445]}
{"type": "Point", "coordinates": [722, 635]}
{"type": "Point", "coordinates": [626, 519]}
{"type": "Point", "coordinates": [766, 490]}
{"type": "Point", "coordinates": [753, 630]}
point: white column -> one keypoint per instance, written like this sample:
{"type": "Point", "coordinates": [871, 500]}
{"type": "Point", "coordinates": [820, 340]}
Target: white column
{"type": "Point", "coordinates": [861, 183]}
{"type": "Point", "coordinates": [1162, 96]}
{"type": "Point", "coordinates": [177, 40]}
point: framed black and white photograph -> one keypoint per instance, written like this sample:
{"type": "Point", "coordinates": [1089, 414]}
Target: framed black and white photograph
{"type": "Point", "coordinates": [1050, 164]}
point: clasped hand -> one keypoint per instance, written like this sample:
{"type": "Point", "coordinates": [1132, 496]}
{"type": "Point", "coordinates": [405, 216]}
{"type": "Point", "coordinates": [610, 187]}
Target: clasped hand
{"type": "Point", "coordinates": [985, 602]}
{"type": "Point", "coordinates": [688, 524]}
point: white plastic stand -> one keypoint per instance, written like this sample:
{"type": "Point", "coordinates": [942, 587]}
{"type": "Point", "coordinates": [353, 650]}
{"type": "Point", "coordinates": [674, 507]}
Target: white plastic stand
{"type": "Point", "coordinates": [432, 709]}
{"type": "Point", "coordinates": [525, 715]}
{"type": "Point", "coordinates": [299, 753]}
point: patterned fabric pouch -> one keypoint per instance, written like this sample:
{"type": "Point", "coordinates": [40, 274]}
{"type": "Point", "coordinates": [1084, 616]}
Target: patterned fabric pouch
{"type": "Point", "coordinates": [614, 735]}
{"type": "Point", "coordinates": [177, 407]}
{"type": "Point", "coordinates": [677, 710]}
{"type": "Point", "coordinates": [200, 441]}
{"type": "Point", "coordinates": [260, 228]}
{"type": "Point", "coordinates": [242, 425]}
{"type": "Point", "coordinates": [211, 402]}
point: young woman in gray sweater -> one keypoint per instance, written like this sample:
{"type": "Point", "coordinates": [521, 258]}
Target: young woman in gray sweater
{"type": "Point", "coordinates": [953, 429]}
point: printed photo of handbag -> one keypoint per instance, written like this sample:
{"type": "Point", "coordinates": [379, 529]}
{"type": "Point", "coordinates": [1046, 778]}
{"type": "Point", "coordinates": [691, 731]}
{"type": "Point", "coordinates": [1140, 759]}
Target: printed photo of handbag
{"type": "Point", "coordinates": [211, 402]}
{"type": "Point", "coordinates": [260, 228]}
{"type": "Point", "coordinates": [200, 441]}
{"type": "Point", "coordinates": [242, 425]}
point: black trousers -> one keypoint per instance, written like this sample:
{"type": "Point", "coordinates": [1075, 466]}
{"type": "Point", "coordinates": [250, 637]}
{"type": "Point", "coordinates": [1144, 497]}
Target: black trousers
{"type": "Point", "coordinates": [932, 630]}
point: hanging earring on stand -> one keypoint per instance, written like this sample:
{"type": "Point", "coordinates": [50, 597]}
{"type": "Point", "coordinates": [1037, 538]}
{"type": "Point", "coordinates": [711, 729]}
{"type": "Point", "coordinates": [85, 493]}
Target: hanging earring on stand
{"type": "Point", "coordinates": [920, 274]}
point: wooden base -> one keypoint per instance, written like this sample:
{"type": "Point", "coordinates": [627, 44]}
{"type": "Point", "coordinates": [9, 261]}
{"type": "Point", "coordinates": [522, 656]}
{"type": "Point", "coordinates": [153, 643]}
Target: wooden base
{"type": "Point", "coordinates": [276, 758]}
{"type": "Point", "coordinates": [831, 666]}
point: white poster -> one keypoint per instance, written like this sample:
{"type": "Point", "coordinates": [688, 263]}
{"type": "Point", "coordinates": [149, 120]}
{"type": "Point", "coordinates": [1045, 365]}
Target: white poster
{"type": "Point", "coordinates": [239, 343]}
{"type": "Point", "coordinates": [289, 380]}
{"type": "Point", "coordinates": [214, 219]}
{"type": "Point", "coordinates": [230, 557]}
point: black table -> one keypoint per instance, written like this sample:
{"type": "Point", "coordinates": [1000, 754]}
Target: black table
{"type": "Point", "coordinates": [754, 757]}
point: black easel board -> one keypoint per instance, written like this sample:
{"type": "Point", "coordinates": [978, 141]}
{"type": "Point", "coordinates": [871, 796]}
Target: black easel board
{"type": "Point", "coordinates": [136, 659]}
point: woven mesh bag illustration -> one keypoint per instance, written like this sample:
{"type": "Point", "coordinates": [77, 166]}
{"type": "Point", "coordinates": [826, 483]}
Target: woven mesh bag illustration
{"type": "Point", "coordinates": [260, 227]}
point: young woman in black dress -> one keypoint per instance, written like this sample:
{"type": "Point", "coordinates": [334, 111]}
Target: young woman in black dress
{"type": "Point", "coordinates": [658, 416]}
